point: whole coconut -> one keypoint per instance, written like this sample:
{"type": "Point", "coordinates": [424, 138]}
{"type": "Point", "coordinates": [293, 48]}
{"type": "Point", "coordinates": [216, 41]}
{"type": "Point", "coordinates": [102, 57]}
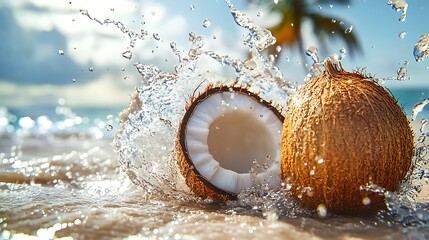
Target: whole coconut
{"type": "Point", "coordinates": [342, 132]}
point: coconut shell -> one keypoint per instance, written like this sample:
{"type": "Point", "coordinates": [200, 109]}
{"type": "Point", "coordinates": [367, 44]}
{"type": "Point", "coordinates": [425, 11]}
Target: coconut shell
{"type": "Point", "coordinates": [342, 132]}
{"type": "Point", "coordinates": [198, 184]}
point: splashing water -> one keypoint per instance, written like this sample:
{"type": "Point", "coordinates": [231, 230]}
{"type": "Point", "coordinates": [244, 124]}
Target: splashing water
{"type": "Point", "coordinates": [145, 143]}
{"type": "Point", "coordinates": [421, 48]}
{"type": "Point", "coordinates": [259, 38]}
{"type": "Point", "coordinates": [315, 68]}
{"type": "Point", "coordinates": [418, 108]}
{"type": "Point", "coordinates": [399, 5]}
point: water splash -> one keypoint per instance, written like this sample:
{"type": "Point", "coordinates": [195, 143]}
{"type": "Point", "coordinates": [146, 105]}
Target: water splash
{"type": "Point", "coordinates": [259, 38]}
{"type": "Point", "coordinates": [418, 108]}
{"type": "Point", "coordinates": [315, 68]}
{"type": "Point", "coordinates": [408, 207]}
{"type": "Point", "coordinates": [399, 5]}
{"type": "Point", "coordinates": [146, 140]}
{"type": "Point", "coordinates": [133, 36]}
{"type": "Point", "coordinates": [421, 48]}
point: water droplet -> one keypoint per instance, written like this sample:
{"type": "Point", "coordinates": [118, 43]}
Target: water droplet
{"type": "Point", "coordinates": [421, 139]}
{"type": "Point", "coordinates": [331, 5]}
{"type": "Point", "coordinates": [278, 49]}
{"type": "Point", "coordinates": [91, 69]}
{"type": "Point", "coordinates": [423, 124]}
{"type": "Point", "coordinates": [112, 9]}
{"type": "Point", "coordinates": [421, 48]}
{"type": "Point", "coordinates": [259, 14]}
{"type": "Point", "coordinates": [250, 64]}
{"type": "Point", "coordinates": [402, 34]}
{"type": "Point", "coordinates": [349, 29]}
{"type": "Point", "coordinates": [192, 7]}
{"type": "Point", "coordinates": [127, 54]}
{"type": "Point", "coordinates": [206, 23]}
{"type": "Point", "coordinates": [322, 211]}
{"type": "Point", "coordinates": [402, 74]}
{"type": "Point", "coordinates": [399, 5]}
{"type": "Point", "coordinates": [109, 127]}
{"type": "Point", "coordinates": [126, 78]}
{"type": "Point", "coordinates": [319, 159]}
{"type": "Point", "coordinates": [343, 52]}
{"type": "Point", "coordinates": [366, 201]}
{"type": "Point", "coordinates": [333, 20]}
{"type": "Point", "coordinates": [312, 172]}
{"type": "Point", "coordinates": [418, 108]}
{"type": "Point", "coordinates": [84, 12]}
{"type": "Point", "coordinates": [156, 36]}
{"type": "Point", "coordinates": [61, 52]}
{"type": "Point", "coordinates": [312, 52]}
{"type": "Point", "coordinates": [73, 79]}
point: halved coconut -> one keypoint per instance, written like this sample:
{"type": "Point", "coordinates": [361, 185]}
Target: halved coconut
{"type": "Point", "coordinates": [229, 139]}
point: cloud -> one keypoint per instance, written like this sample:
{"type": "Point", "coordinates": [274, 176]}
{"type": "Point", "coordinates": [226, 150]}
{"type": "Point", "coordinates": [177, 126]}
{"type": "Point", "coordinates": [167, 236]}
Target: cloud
{"type": "Point", "coordinates": [35, 31]}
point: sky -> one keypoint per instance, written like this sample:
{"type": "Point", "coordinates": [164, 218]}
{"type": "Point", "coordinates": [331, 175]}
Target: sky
{"type": "Point", "coordinates": [50, 51]}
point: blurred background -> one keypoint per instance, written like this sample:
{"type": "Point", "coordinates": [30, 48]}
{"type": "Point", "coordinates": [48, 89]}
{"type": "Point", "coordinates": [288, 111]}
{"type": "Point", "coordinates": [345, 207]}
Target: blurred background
{"type": "Point", "coordinates": [53, 55]}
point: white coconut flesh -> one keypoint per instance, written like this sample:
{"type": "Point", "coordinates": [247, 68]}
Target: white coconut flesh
{"type": "Point", "coordinates": [228, 134]}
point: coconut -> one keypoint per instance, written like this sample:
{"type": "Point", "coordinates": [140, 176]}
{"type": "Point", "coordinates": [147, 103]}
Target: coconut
{"type": "Point", "coordinates": [342, 135]}
{"type": "Point", "coordinates": [229, 139]}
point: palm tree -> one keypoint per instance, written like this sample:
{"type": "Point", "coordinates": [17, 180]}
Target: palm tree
{"type": "Point", "coordinates": [294, 12]}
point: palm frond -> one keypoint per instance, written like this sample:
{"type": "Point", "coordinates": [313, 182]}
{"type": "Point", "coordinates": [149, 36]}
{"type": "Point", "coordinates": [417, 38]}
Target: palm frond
{"type": "Point", "coordinates": [325, 28]}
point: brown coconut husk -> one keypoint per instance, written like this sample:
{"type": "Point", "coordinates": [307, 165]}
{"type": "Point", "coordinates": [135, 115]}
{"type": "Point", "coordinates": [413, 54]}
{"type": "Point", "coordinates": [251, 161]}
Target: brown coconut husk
{"type": "Point", "coordinates": [359, 131]}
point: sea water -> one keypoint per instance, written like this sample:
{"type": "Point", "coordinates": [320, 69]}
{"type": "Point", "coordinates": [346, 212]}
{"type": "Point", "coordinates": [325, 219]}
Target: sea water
{"type": "Point", "coordinates": [61, 177]}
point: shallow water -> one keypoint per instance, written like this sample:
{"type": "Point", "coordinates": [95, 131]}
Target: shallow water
{"type": "Point", "coordinates": [61, 179]}
{"type": "Point", "coordinates": [77, 190]}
